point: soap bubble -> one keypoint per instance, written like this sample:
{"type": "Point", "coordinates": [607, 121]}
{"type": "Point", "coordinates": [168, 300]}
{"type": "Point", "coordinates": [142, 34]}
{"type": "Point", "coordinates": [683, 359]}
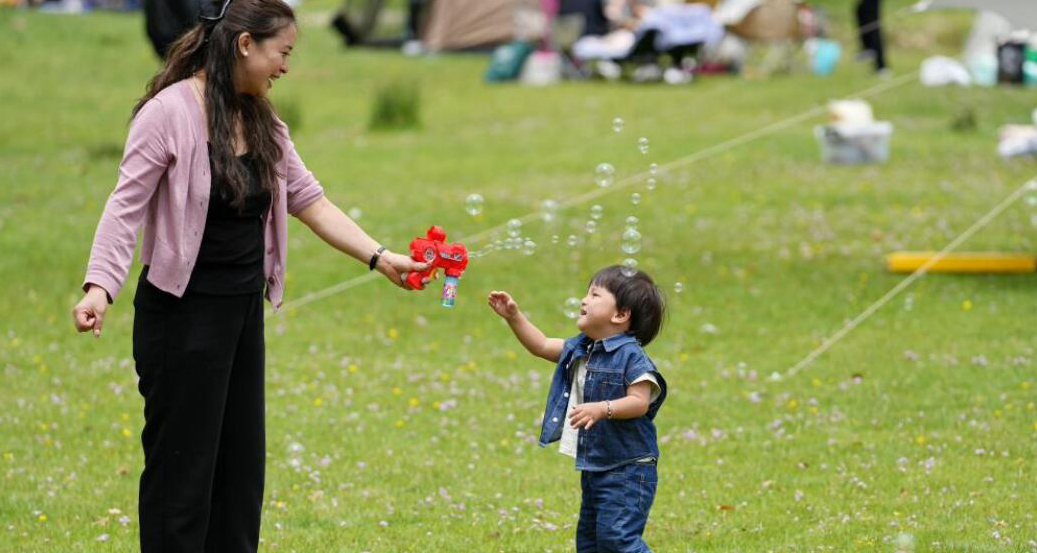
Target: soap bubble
{"type": "Point", "coordinates": [631, 241]}
{"type": "Point", "coordinates": [514, 228]}
{"type": "Point", "coordinates": [498, 244]}
{"type": "Point", "coordinates": [554, 238]}
{"type": "Point", "coordinates": [635, 198]}
{"type": "Point", "coordinates": [604, 174]}
{"type": "Point", "coordinates": [355, 213]}
{"type": "Point", "coordinates": [1031, 200]}
{"type": "Point", "coordinates": [548, 210]}
{"type": "Point", "coordinates": [653, 168]}
{"type": "Point", "coordinates": [632, 222]}
{"type": "Point", "coordinates": [572, 307]}
{"type": "Point", "coordinates": [592, 226]}
{"type": "Point", "coordinates": [573, 240]}
{"type": "Point", "coordinates": [629, 267]}
{"type": "Point", "coordinates": [678, 287]}
{"type": "Point", "coordinates": [651, 183]}
{"type": "Point", "coordinates": [473, 204]}
{"type": "Point", "coordinates": [617, 124]}
{"type": "Point", "coordinates": [529, 247]}
{"type": "Point", "coordinates": [597, 211]}
{"type": "Point", "coordinates": [642, 144]}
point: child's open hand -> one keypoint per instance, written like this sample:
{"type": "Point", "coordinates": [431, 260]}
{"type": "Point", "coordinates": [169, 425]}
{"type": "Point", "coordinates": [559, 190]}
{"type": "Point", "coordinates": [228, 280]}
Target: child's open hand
{"type": "Point", "coordinates": [585, 415]}
{"type": "Point", "coordinates": [503, 304]}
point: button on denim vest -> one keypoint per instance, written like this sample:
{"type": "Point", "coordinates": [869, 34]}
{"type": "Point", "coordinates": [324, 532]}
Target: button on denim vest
{"type": "Point", "coordinates": [612, 364]}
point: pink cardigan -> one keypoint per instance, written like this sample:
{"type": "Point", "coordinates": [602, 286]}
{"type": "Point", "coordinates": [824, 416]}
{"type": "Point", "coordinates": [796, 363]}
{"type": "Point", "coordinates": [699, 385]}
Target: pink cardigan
{"type": "Point", "coordinates": [164, 184]}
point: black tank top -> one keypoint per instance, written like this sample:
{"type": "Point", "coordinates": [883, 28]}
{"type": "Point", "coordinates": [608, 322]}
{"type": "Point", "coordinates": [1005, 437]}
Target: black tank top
{"type": "Point", "coordinates": [230, 259]}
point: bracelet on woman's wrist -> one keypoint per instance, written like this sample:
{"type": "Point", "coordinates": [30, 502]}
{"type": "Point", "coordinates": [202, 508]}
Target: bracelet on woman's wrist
{"type": "Point", "coordinates": [608, 409]}
{"type": "Point", "coordinates": [374, 258]}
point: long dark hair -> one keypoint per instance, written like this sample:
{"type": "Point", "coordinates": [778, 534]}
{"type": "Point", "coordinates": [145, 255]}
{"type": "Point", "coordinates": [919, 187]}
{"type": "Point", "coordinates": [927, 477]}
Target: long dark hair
{"type": "Point", "coordinates": [213, 47]}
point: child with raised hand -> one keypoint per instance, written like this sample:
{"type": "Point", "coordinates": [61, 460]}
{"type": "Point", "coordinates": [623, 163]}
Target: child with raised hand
{"type": "Point", "coordinates": [603, 398]}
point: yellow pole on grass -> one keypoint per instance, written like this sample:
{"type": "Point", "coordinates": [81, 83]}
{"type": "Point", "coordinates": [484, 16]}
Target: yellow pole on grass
{"type": "Point", "coordinates": [963, 262]}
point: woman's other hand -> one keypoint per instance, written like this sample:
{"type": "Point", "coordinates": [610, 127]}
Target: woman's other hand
{"type": "Point", "coordinates": [89, 313]}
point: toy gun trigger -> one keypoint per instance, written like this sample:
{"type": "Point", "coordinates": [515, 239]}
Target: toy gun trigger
{"type": "Point", "coordinates": [414, 279]}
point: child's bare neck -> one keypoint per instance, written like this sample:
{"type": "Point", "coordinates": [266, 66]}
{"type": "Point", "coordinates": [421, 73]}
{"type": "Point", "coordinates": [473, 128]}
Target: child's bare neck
{"type": "Point", "coordinates": [606, 332]}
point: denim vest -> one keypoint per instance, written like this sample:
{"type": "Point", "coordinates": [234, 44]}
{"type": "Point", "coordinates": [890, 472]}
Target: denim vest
{"type": "Point", "coordinates": [612, 364]}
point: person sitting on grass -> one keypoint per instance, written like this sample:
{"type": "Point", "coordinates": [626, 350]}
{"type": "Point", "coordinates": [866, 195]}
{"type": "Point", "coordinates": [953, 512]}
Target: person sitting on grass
{"type": "Point", "coordinates": [603, 399]}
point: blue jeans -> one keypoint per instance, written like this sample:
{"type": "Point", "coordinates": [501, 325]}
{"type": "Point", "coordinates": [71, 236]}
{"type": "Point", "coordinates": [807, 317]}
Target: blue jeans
{"type": "Point", "coordinates": [614, 509]}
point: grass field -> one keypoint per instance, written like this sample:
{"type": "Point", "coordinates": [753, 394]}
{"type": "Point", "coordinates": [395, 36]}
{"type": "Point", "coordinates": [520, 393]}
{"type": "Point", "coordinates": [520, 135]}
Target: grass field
{"type": "Point", "coordinates": [397, 425]}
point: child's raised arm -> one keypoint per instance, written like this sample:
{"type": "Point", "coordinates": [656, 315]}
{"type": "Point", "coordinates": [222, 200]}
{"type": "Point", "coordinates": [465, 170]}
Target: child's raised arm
{"type": "Point", "coordinates": [531, 337]}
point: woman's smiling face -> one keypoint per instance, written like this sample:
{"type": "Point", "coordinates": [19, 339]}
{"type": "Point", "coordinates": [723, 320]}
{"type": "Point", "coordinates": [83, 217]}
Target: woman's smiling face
{"type": "Point", "coordinates": [262, 62]}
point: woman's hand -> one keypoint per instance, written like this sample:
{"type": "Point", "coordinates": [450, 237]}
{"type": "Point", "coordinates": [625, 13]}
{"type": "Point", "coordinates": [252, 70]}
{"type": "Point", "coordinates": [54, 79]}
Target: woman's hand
{"type": "Point", "coordinates": [88, 314]}
{"type": "Point", "coordinates": [503, 304]}
{"type": "Point", "coordinates": [396, 266]}
{"type": "Point", "coordinates": [586, 414]}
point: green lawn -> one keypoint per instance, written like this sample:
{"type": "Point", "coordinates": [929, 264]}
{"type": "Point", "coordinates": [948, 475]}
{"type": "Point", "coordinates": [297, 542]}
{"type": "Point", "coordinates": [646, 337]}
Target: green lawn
{"type": "Point", "coordinates": [397, 425]}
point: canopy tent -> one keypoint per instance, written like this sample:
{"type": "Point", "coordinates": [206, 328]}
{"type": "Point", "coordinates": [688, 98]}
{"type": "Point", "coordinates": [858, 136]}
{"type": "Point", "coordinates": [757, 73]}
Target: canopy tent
{"type": "Point", "coordinates": [461, 24]}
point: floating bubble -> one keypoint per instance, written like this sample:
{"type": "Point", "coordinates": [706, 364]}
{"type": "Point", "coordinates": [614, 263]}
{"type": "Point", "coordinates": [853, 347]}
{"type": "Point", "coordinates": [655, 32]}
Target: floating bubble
{"type": "Point", "coordinates": [473, 204]}
{"type": "Point", "coordinates": [653, 168]}
{"type": "Point", "coordinates": [651, 183]}
{"type": "Point", "coordinates": [498, 244]}
{"type": "Point", "coordinates": [597, 211]}
{"type": "Point", "coordinates": [1031, 200]}
{"type": "Point", "coordinates": [591, 226]}
{"type": "Point", "coordinates": [514, 228]}
{"type": "Point", "coordinates": [635, 198]}
{"type": "Point", "coordinates": [548, 210]}
{"type": "Point", "coordinates": [554, 238]}
{"type": "Point", "coordinates": [604, 174]}
{"type": "Point", "coordinates": [642, 144]}
{"type": "Point", "coordinates": [678, 287]}
{"type": "Point", "coordinates": [629, 267]}
{"type": "Point", "coordinates": [529, 247]}
{"type": "Point", "coordinates": [572, 240]}
{"type": "Point", "coordinates": [617, 124]}
{"type": "Point", "coordinates": [632, 222]}
{"type": "Point", "coordinates": [631, 241]}
{"type": "Point", "coordinates": [572, 307]}
{"type": "Point", "coordinates": [355, 213]}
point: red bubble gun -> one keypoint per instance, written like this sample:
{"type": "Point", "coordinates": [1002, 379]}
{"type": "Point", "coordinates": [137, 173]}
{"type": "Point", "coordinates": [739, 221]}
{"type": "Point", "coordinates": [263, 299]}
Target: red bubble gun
{"type": "Point", "coordinates": [438, 253]}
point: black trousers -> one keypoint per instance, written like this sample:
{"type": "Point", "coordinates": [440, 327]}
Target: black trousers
{"type": "Point", "coordinates": [869, 30]}
{"type": "Point", "coordinates": [200, 360]}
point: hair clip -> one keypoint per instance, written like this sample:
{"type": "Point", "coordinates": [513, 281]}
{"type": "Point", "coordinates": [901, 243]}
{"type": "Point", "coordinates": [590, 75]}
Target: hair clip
{"type": "Point", "coordinates": [214, 19]}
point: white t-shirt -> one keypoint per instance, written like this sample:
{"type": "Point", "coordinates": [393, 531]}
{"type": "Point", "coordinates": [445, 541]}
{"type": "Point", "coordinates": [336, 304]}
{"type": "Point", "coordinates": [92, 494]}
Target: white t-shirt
{"type": "Point", "coordinates": [571, 436]}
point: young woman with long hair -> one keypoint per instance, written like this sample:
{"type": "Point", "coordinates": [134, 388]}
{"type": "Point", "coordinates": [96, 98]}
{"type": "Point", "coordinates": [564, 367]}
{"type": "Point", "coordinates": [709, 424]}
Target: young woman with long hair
{"type": "Point", "coordinates": [211, 174]}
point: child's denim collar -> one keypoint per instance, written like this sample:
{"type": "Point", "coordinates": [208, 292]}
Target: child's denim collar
{"type": "Point", "coordinates": [611, 343]}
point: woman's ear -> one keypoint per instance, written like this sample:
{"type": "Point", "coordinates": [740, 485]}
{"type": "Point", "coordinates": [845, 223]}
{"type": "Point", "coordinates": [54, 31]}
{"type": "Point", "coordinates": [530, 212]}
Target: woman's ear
{"type": "Point", "coordinates": [244, 44]}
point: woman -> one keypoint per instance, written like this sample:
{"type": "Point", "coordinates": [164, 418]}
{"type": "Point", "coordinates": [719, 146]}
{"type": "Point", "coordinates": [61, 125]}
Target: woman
{"type": "Point", "coordinates": [211, 173]}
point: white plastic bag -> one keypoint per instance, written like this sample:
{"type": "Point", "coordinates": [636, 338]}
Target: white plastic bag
{"type": "Point", "coordinates": [941, 71]}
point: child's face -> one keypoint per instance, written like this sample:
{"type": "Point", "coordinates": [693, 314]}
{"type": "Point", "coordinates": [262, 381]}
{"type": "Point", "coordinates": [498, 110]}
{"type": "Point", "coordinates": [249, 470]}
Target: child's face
{"type": "Point", "coordinates": [598, 315]}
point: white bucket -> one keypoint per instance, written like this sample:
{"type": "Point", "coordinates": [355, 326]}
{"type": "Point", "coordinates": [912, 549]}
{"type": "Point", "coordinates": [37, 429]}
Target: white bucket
{"type": "Point", "coordinates": [856, 143]}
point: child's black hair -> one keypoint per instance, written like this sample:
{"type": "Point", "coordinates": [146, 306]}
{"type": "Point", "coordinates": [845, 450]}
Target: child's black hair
{"type": "Point", "coordinates": [635, 291]}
